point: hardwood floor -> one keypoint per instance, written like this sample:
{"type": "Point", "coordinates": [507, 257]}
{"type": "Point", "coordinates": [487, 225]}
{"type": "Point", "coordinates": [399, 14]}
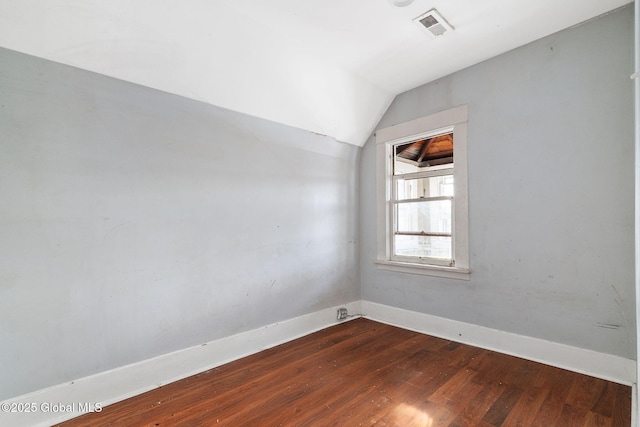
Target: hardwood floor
{"type": "Point", "coordinates": [364, 373]}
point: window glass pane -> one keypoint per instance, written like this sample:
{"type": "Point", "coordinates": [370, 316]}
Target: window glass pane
{"type": "Point", "coordinates": [423, 154]}
{"type": "Point", "coordinates": [423, 246]}
{"type": "Point", "coordinates": [428, 217]}
{"type": "Point", "coordinates": [424, 187]}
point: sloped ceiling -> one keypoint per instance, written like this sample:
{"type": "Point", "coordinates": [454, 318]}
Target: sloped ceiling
{"type": "Point", "coordinates": [327, 66]}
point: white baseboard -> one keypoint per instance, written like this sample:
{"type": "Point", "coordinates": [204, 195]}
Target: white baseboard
{"type": "Point", "coordinates": [121, 383]}
{"type": "Point", "coordinates": [65, 401]}
{"type": "Point", "coordinates": [600, 365]}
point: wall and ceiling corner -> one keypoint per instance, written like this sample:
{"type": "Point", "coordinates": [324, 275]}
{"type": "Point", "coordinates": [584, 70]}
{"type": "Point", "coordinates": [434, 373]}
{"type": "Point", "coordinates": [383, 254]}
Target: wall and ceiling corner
{"type": "Point", "coordinates": [110, 261]}
{"type": "Point", "coordinates": [538, 117]}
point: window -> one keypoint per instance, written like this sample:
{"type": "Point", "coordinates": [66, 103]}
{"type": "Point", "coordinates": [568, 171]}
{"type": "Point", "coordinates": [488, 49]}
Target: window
{"type": "Point", "coordinates": [422, 196]}
{"type": "Point", "coordinates": [421, 200]}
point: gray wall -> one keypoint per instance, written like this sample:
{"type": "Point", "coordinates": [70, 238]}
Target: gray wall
{"type": "Point", "coordinates": [134, 223]}
{"type": "Point", "coordinates": [550, 151]}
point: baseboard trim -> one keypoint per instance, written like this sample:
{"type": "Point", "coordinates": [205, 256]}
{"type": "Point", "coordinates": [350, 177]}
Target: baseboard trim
{"type": "Point", "coordinates": [121, 383]}
{"type": "Point", "coordinates": [600, 365]}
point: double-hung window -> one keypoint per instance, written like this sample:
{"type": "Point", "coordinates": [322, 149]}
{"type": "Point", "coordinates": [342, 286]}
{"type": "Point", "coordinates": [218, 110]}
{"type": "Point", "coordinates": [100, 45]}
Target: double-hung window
{"type": "Point", "coordinates": [422, 200]}
{"type": "Point", "coordinates": [422, 196]}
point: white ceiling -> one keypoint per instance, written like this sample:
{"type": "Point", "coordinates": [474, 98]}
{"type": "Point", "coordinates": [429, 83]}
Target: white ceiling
{"type": "Point", "coordinates": [327, 66]}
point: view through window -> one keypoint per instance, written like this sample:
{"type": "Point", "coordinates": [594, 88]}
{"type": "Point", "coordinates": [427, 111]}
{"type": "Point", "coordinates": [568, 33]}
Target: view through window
{"type": "Point", "coordinates": [421, 192]}
{"type": "Point", "coordinates": [422, 199]}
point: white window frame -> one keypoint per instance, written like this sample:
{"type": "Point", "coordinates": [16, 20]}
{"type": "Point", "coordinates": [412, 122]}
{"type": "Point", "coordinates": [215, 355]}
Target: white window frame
{"type": "Point", "coordinates": [453, 120]}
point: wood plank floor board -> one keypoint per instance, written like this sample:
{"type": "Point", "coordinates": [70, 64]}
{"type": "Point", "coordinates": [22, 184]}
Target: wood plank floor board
{"type": "Point", "coordinates": [585, 392]}
{"type": "Point", "coordinates": [554, 403]}
{"type": "Point", "coordinates": [332, 364]}
{"type": "Point", "coordinates": [364, 373]}
{"type": "Point", "coordinates": [572, 417]}
{"type": "Point", "coordinates": [499, 411]}
{"type": "Point", "coordinates": [606, 401]}
{"type": "Point", "coordinates": [622, 407]}
{"type": "Point", "coordinates": [381, 383]}
{"type": "Point", "coordinates": [531, 400]}
{"type": "Point", "coordinates": [476, 409]}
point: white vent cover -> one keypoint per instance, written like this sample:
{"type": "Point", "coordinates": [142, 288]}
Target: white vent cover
{"type": "Point", "coordinates": [432, 23]}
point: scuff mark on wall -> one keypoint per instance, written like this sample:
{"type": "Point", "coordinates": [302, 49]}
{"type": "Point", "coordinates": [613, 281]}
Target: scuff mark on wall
{"type": "Point", "coordinates": [112, 230]}
{"type": "Point", "coordinates": [618, 300]}
{"type": "Point", "coordinates": [607, 325]}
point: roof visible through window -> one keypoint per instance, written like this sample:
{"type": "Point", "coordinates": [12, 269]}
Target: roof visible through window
{"type": "Point", "coordinates": [433, 151]}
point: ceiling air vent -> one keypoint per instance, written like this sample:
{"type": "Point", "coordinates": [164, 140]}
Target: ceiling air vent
{"type": "Point", "coordinates": [433, 23]}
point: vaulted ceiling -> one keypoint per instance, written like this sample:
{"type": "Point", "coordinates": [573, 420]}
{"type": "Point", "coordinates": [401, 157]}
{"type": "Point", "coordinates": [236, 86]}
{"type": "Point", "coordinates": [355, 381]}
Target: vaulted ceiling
{"type": "Point", "coordinates": [327, 66]}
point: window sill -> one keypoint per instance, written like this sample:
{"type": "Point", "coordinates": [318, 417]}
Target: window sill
{"type": "Point", "coordinates": [425, 270]}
